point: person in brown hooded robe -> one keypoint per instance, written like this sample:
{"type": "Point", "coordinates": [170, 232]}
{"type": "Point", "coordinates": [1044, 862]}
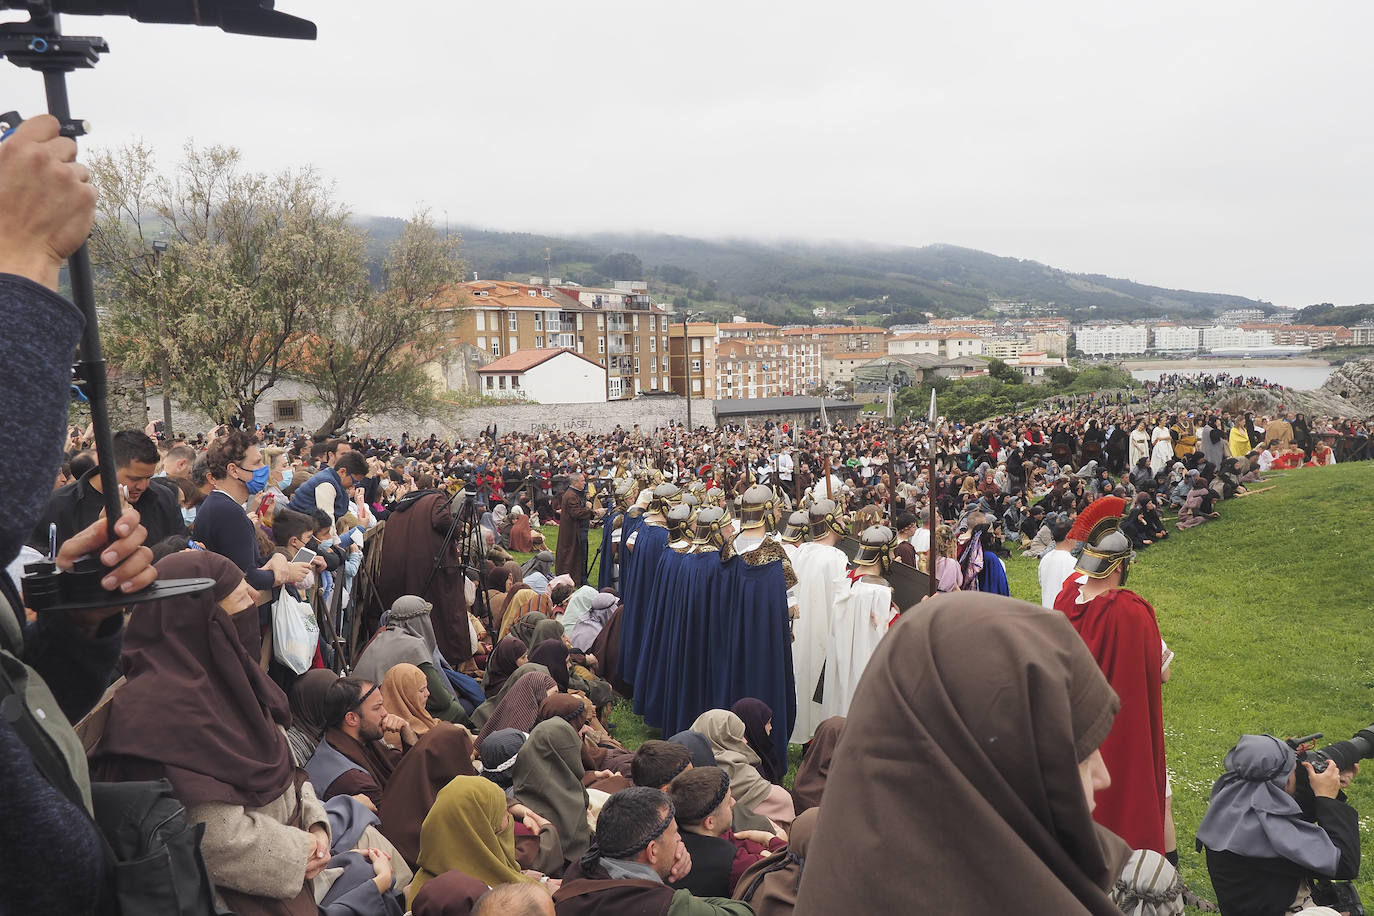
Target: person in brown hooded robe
{"type": "Point", "coordinates": [414, 538]}
{"type": "Point", "coordinates": [982, 774]}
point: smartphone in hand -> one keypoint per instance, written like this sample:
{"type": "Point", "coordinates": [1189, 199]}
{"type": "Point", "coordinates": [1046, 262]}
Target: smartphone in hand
{"type": "Point", "coordinates": [304, 555]}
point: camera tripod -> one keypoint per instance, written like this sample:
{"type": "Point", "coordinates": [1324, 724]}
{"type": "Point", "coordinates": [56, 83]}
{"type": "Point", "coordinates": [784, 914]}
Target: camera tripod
{"type": "Point", "coordinates": [463, 527]}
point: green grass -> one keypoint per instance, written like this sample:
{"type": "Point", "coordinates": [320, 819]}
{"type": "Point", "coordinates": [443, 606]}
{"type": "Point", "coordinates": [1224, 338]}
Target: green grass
{"type": "Point", "coordinates": [1270, 613]}
{"type": "Point", "coordinates": [1268, 610]}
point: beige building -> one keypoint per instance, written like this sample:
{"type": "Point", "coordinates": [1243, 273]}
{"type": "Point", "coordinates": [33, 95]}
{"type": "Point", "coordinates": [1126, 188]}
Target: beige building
{"type": "Point", "coordinates": [951, 343]}
{"type": "Point", "coordinates": [836, 341]}
{"type": "Point", "coordinates": [698, 340]}
{"type": "Point", "coordinates": [841, 368]}
{"type": "Point", "coordinates": [618, 329]}
{"type": "Point", "coordinates": [766, 367]}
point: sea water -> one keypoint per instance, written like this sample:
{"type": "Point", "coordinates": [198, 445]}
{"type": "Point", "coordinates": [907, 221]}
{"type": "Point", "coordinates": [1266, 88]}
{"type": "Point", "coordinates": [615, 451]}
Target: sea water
{"type": "Point", "coordinates": [1303, 378]}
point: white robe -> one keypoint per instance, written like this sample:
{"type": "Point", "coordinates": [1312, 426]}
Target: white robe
{"type": "Point", "coordinates": [819, 569]}
{"type": "Point", "coordinates": [862, 613]}
{"type": "Point", "coordinates": [1162, 449]}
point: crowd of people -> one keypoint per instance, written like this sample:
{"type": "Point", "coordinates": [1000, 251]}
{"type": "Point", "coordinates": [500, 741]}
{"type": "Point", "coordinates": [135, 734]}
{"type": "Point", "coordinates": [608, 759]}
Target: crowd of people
{"type": "Point", "coordinates": [1207, 383]}
{"type": "Point", "coordinates": [371, 707]}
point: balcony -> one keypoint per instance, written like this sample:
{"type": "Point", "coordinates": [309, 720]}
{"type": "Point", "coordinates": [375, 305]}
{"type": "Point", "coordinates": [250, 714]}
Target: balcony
{"type": "Point", "coordinates": [618, 348]}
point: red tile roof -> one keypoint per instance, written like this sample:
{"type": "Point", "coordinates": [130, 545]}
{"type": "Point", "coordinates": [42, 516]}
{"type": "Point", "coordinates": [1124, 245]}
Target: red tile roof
{"type": "Point", "coordinates": [523, 360]}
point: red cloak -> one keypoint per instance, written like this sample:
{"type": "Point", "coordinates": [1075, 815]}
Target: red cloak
{"type": "Point", "coordinates": [1120, 629]}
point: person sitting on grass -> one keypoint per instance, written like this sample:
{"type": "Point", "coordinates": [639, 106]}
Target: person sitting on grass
{"type": "Point", "coordinates": [705, 811]}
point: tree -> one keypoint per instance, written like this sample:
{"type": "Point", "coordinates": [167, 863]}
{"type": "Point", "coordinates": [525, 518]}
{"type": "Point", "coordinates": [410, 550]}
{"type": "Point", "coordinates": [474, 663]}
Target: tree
{"type": "Point", "coordinates": [621, 266]}
{"type": "Point", "coordinates": [1005, 373]}
{"type": "Point", "coordinates": [252, 263]}
{"type": "Point", "coordinates": [370, 357]}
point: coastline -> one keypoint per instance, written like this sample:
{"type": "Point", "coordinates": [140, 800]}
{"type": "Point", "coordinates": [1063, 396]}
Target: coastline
{"type": "Point", "coordinates": [1195, 364]}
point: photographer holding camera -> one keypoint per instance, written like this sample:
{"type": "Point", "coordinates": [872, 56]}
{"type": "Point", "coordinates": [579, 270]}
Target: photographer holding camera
{"type": "Point", "coordinates": [1273, 830]}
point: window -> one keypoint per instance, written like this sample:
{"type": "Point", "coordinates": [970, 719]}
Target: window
{"type": "Point", "coordinates": [696, 386]}
{"type": "Point", "coordinates": [286, 411]}
{"type": "Point", "coordinates": [601, 322]}
{"type": "Point", "coordinates": [635, 320]}
{"type": "Point", "coordinates": [653, 383]}
{"type": "Point", "coordinates": [636, 344]}
{"type": "Point", "coordinates": [539, 321]}
{"type": "Point", "coordinates": [601, 345]}
{"type": "Point", "coordinates": [696, 344]}
{"type": "Point", "coordinates": [696, 365]}
{"type": "Point", "coordinates": [579, 345]}
{"type": "Point", "coordinates": [539, 342]}
{"type": "Point", "coordinates": [481, 321]}
{"type": "Point", "coordinates": [481, 343]}
{"type": "Point", "coordinates": [514, 344]}
{"type": "Point", "coordinates": [638, 387]}
{"type": "Point", "coordinates": [653, 344]}
{"type": "Point", "coordinates": [496, 346]}
{"type": "Point", "coordinates": [615, 387]}
{"type": "Point", "coordinates": [491, 383]}
{"type": "Point", "coordinates": [636, 365]}
{"type": "Point", "coordinates": [515, 381]}
{"type": "Point", "coordinates": [513, 321]}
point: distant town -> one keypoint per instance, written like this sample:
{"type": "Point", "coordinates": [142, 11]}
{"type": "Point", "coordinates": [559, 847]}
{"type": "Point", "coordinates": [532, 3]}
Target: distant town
{"type": "Point", "coordinates": [549, 341]}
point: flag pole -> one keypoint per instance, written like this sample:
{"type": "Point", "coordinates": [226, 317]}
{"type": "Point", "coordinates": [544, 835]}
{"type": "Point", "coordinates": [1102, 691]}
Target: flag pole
{"type": "Point", "coordinates": [931, 555]}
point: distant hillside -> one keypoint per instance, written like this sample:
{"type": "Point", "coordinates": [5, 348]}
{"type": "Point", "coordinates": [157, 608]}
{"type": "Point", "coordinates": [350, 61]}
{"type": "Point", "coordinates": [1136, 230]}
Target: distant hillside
{"type": "Point", "coordinates": [783, 281]}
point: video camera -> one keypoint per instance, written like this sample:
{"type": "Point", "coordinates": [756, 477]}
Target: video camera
{"type": "Point", "coordinates": [242, 17]}
{"type": "Point", "coordinates": [1345, 754]}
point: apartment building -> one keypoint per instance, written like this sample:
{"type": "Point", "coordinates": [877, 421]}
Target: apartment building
{"type": "Point", "coordinates": [944, 342]}
{"type": "Point", "coordinates": [1224, 336]}
{"type": "Point", "coordinates": [1111, 339]}
{"type": "Point", "coordinates": [692, 356]}
{"type": "Point", "coordinates": [1308, 335]}
{"type": "Point", "coordinates": [837, 341]}
{"type": "Point", "coordinates": [619, 329]}
{"type": "Point", "coordinates": [1174, 338]}
{"type": "Point", "coordinates": [766, 367]}
{"type": "Point", "coordinates": [746, 330]}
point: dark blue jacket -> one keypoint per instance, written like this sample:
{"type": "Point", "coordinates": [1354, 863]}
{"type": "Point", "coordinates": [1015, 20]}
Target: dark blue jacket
{"type": "Point", "coordinates": [303, 500]}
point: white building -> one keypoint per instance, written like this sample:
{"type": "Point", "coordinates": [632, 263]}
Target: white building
{"type": "Point", "coordinates": [1223, 336]}
{"type": "Point", "coordinates": [1173, 338]}
{"type": "Point", "coordinates": [1112, 339]}
{"type": "Point", "coordinates": [544, 376]}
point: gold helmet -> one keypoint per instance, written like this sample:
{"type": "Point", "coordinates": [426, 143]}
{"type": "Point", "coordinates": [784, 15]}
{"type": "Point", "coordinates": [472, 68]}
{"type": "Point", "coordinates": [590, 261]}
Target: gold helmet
{"type": "Point", "coordinates": [798, 527]}
{"type": "Point", "coordinates": [756, 507]}
{"type": "Point", "coordinates": [875, 546]}
{"type": "Point", "coordinates": [825, 517]}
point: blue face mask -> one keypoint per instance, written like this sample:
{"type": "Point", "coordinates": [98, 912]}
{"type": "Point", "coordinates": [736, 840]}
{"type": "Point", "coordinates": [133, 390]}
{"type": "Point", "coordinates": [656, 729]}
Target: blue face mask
{"type": "Point", "coordinates": [287, 476]}
{"type": "Point", "coordinates": [258, 480]}
{"type": "Point", "coordinates": [188, 516]}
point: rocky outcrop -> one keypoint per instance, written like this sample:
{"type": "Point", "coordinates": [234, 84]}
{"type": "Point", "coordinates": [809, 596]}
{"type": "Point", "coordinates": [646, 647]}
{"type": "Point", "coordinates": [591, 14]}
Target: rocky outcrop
{"type": "Point", "coordinates": [1353, 383]}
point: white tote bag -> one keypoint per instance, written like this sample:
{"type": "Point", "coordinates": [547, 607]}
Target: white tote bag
{"type": "Point", "coordinates": [295, 632]}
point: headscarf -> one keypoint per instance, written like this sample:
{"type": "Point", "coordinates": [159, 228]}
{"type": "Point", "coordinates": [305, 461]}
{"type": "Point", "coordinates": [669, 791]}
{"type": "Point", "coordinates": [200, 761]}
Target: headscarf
{"type": "Point", "coordinates": [725, 731]}
{"type": "Point", "coordinates": [578, 605]}
{"type": "Point", "coordinates": [523, 628]}
{"type": "Point", "coordinates": [548, 779]}
{"type": "Point", "coordinates": [195, 701]}
{"type": "Point", "coordinates": [307, 702]}
{"type": "Point", "coordinates": [571, 709]}
{"type": "Point", "coordinates": [770, 885]}
{"type": "Point", "coordinates": [1251, 813]}
{"type": "Point", "coordinates": [756, 714]}
{"type": "Point", "coordinates": [443, 753]}
{"type": "Point", "coordinates": [502, 664]}
{"type": "Point", "coordinates": [547, 628]}
{"type": "Point", "coordinates": [552, 654]}
{"type": "Point", "coordinates": [411, 614]}
{"type": "Point", "coordinates": [451, 894]}
{"type": "Point", "coordinates": [498, 752]}
{"type": "Point", "coordinates": [393, 645]}
{"type": "Point", "coordinates": [932, 740]}
{"type": "Point", "coordinates": [809, 784]}
{"type": "Point", "coordinates": [541, 562]}
{"type": "Point", "coordinates": [482, 713]}
{"type": "Point", "coordinates": [1149, 886]}
{"type": "Point", "coordinates": [586, 626]}
{"type": "Point", "coordinates": [520, 706]}
{"type": "Point", "coordinates": [463, 831]}
{"type": "Point", "coordinates": [401, 691]}
{"type": "Point", "coordinates": [698, 746]}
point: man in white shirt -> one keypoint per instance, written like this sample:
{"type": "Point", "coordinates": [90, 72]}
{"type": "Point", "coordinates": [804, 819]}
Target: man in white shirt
{"type": "Point", "coordinates": [1057, 564]}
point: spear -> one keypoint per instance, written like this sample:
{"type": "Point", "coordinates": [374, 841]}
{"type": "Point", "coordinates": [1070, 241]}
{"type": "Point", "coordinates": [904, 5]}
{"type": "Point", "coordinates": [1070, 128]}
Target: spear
{"type": "Point", "coordinates": [931, 556]}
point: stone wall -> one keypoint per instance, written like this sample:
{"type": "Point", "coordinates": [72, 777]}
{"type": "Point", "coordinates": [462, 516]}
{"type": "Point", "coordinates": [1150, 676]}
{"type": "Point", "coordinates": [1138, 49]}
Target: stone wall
{"type": "Point", "coordinates": [649, 412]}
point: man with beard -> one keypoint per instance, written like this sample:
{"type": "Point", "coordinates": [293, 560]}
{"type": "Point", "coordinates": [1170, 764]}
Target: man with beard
{"type": "Point", "coordinates": [353, 758]}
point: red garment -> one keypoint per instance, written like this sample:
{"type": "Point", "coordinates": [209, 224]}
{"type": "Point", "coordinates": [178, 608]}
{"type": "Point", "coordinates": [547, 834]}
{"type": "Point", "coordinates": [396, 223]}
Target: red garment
{"type": "Point", "coordinates": [747, 852]}
{"type": "Point", "coordinates": [1120, 629]}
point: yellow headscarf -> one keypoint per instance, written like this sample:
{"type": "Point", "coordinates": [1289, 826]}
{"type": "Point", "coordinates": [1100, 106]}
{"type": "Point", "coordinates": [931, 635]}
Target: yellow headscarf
{"type": "Point", "coordinates": [401, 691]}
{"type": "Point", "coordinates": [463, 831]}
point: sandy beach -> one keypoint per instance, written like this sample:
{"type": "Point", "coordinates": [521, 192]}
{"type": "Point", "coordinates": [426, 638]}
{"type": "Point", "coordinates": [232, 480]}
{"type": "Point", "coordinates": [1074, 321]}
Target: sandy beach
{"type": "Point", "coordinates": [1228, 362]}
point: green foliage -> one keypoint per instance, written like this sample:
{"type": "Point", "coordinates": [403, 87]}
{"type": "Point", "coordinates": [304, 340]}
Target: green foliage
{"type": "Point", "coordinates": [1004, 390]}
{"type": "Point", "coordinates": [1326, 313]}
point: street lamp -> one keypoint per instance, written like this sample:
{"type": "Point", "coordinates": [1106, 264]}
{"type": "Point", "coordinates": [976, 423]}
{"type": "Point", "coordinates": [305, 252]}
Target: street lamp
{"type": "Point", "coordinates": [159, 246]}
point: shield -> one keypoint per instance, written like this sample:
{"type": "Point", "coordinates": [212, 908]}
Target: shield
{"type": "Point", "coordinates": [909, 584]}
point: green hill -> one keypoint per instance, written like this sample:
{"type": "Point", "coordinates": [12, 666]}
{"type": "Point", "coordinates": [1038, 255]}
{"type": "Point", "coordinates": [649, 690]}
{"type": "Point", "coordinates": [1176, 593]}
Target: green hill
{"type": "Point", "coordinates": [783, 281]}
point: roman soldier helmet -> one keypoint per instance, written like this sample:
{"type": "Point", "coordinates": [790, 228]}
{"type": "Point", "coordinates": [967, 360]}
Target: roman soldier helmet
{"type": "Point", "coordinates": [875, 546]}
{"type": "Point", "coordinates": [665, 496]}
{"type": "Point", "coordinates": [679, 519]}
{"type": "Point", "coordinates": [624, 491]}
{"type": "Point", "coordinates": [798, 527]}
{"type": "Point", "coordinates": [1105, 547]}
{"type": "Point", "coordinates": [711, 528]}
{"type": "Point", "coordinates": [756, 507]}
{"type": "Point", "coordinates": [824, 516]}
{"type": "Point", "coordinates": [714, 496]}
{"type": "Point", "coordinates": [691, 499]}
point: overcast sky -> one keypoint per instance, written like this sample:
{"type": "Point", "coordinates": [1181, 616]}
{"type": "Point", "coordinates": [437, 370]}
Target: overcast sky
{"type": "Point", "coordinates": [1222, 146]}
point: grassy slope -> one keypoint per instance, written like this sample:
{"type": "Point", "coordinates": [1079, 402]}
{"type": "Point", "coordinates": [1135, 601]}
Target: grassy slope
{"type": "Point", "coordinates": [1268, 611]}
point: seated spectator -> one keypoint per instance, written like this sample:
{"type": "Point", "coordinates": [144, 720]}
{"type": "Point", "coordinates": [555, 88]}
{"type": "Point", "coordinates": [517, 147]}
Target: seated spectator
{"type": "Point", "coordinates": [197, 710]}
{"type": "Point", "coordinates": [757, 717]}
{"type": "Point", "coordinates": [517, 705]}
{"type": "Point", "coordinates": [538, 571]}
{"type": "Point", "coordinates": [636, 840]}
{"type": "Point", "coordinates": [509, 654]}
{"type": "Point", "coordinates": [725, 731]}
{"type": "Point", "coordinates": [515, 900]}
{"type": "Point", "coordinates": [657, 763]}
{"type": "Point", "coordinates": [705, 813]}
{"type": "Point", "coordinates": [468, 829]}
{"type": "Point", "coordinates": [451, 894]}
{"type": "Point", "coordinates": [1013, 760]}
{"type": "Point", "coordinates": [405, 692]}
{"type": "Point", "coordinates": [353, 758]}
{"type": "Point", "coordinates": [307, 713]}
{"type": "Point", "coordinates": [548, 779]}
{"type": "Point", "coordinates": [436, 759]}
{"type": "Point", "coordinates": [808, 786]}
{"type": "Point", "coordinates": [770, 884]}
{"type": "Point", "coordinates": [408, 637]}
